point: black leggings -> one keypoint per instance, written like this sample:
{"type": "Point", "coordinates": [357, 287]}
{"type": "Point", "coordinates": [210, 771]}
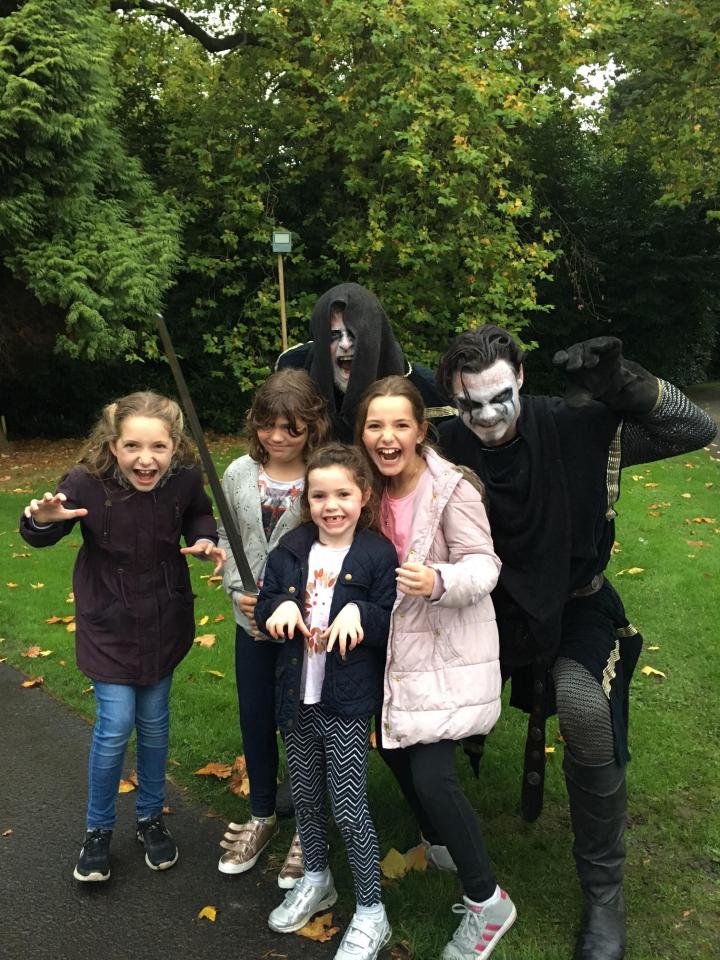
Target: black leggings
{"type": "Point", "coordinates": [428, 779]}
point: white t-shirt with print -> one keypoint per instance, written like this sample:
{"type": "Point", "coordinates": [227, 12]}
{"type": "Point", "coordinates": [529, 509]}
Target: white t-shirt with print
{"type": "Point", "coordinates": [324, 565]}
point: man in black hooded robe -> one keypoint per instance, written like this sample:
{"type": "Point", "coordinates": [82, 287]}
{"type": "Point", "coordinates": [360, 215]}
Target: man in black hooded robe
{"type": "Point", "coordinates": [551, 469]}
{"type": "Point", "coordinates": [353, 345]}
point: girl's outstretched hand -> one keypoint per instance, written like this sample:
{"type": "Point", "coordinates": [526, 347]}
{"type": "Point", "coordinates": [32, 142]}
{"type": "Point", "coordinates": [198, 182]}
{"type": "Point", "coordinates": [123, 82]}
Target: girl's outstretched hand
{"type": "Point", "coordinates": [50, 508]}
{"type": "Point", "coordinates": [346, 629]}
{"type": "Point", "coordinates": [207, 550]}
{"type": "Point", "coordinates": [415, 579]}
{"type": "Point", "coordinates": [285, 621]}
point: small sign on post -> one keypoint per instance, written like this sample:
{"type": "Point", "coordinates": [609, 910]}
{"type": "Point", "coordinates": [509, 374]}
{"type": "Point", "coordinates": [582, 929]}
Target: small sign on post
{"type": "Point", "coordinates": [282, 243]}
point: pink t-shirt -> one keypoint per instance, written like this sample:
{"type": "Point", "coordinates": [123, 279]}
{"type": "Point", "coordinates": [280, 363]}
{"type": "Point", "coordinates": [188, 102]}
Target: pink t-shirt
{"type": "Point", "coordinates": [396, 521]}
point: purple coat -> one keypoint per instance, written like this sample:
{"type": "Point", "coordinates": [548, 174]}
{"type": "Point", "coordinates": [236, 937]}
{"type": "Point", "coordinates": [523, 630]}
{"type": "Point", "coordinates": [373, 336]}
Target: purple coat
{"type": "Point", "coordinates": [133, 600]}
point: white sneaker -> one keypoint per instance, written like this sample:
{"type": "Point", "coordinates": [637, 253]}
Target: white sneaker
{"type": "Point", "coordinates": [480, 929]}
{"type": "Point", "coordinates": [364, 938]}
{"type": "Point", "coordinates": [302, 902]}
{"type": "Point", "coordinates": [438, 856]}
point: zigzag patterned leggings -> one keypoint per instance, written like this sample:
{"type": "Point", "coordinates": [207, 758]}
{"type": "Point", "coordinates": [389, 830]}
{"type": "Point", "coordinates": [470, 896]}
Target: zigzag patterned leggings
{"type": "Point", "coordinates": [328, 754]}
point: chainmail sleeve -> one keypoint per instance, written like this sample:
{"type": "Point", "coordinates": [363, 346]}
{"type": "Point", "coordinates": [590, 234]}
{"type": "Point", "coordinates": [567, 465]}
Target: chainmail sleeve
{"type": "Point", "coordinates": [675, 426]}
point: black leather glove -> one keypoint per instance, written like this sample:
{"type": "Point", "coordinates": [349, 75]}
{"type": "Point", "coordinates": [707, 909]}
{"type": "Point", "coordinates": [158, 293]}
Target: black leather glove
{"type": "Point", "coordinates": [474, 747]}
{"type": "Point", "coordinates": [597, 370]}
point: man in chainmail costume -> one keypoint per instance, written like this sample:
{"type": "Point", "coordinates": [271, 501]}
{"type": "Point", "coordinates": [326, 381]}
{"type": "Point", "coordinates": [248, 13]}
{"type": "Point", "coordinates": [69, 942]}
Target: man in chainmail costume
{"type": "Point", "coordinates": [551, 468]}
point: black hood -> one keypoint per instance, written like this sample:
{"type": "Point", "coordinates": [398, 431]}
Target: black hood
{"type": "Point", "coordinates": [377, 352]}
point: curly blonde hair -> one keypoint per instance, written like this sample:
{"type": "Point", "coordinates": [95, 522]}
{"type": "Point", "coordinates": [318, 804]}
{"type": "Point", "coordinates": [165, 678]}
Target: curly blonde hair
{"type": "Point", "coordinates": [291, 395]}
{"type": "Point", "coordinates": [97, 457]}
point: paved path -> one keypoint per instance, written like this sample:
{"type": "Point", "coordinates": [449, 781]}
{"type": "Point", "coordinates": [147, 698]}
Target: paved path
{"type": "Point", "coordinates": [46, 915]}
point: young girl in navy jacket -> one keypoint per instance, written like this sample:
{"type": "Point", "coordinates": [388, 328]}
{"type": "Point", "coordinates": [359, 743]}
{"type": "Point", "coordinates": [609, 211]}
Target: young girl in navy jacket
{"type": "Point", "coordinates": [328, 592]}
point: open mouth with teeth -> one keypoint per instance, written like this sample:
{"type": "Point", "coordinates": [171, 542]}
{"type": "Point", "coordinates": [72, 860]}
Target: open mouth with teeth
{"type": "Point", "coordinates": [145, 477]}
{"type": "Point", "coordinates": [389, 454]}
{"type": "Point", "coordinates": [345, 365]}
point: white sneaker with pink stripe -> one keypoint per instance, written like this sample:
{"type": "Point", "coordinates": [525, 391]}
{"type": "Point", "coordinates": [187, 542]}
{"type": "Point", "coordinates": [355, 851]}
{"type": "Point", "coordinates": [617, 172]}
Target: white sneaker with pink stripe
{"type": "Point", "coordinates": [480, 929]}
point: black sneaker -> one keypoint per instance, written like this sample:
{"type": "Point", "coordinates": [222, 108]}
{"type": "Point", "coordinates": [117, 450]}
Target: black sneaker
{"type": "Point", "coordinates": [161, 851]}
{"type": "Point", "coordinates": [94, 860]}
{"type": "Point", "coordinates": [284, 806]}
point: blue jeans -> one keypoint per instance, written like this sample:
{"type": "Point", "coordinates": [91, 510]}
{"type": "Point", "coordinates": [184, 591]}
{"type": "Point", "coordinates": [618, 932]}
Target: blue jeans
{"type": "Point", "coordinates": [255, 662]}
{"type": "Point", "coordinates": [120, 707]}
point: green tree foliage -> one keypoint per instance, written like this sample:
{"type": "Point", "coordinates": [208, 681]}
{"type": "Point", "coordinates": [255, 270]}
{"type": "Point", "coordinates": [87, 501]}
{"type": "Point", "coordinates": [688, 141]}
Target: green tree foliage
{"type": "Point", "coordinates": [81, 225]}
{"type": "Point", "coordinates": [631, 267]}
{"type": "Point", "coordinates": [668, 56]}
{"type": "Point", "coordinates": [389, 137]}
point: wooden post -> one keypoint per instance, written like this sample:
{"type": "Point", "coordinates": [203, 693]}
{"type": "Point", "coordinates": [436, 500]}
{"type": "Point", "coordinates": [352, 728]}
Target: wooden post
{"type": "Point", "coordinates": [283, 318]}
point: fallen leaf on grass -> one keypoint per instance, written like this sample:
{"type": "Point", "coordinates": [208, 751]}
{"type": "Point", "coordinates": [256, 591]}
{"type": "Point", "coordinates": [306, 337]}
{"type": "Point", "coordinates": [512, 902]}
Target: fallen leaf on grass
{"type": "Point", "coordinates": [203, 620]}
{"type": "Point", "coordinates": [35, 682]}
{"type": "Point", "coordinates": [319, 929]}
{"type": "Point", "coordinates": [3, 659]}
{"type": "Point", "coordinates": [393, 865]}
{"type": "Point", "coordinates": [219, 618]}
{"type": "Point", "coordinates": [205, 640]}
{"type": "Point", "coordinates": [174, 762]}
{"type": "Point", "coordinates": [18, 556]}
{"type": "Point", "coordinates": [653, 648]}
{"type": "Point", "coordinates": [549, 749]}
{"type": "Point", "coordinates": [652, 672]}
{"type": "Point", "coordinates": [88, 690]}
{"type": "Point", "coordinates": [708, 486]}
{"type": "Point", "coordinates": [220, 770]}
{"type": "Point", "coordinates": [208, 913]}
{"type": "Point", "coordinates": [215, 673]}
{"type": "Point", "coordinates": [654, 513]}
{"type": "Point", "coordinates": [70, 598]}
{"type": "Point", "coordinates": [31, 652]}
{"type": "Point", "coordinates": [651, 486]}
{"type": "Point", "coordinates": [126, 786]}
{"type": "Point", "coordinates": [61, 662]}
{"type": "Point", "coordinates": [631, 571]}
{"type": "Point", "coordinates": [686, 496]}
{"type": "Point", "coordinates": [71, 627]}
{"type": "Point", "coordinates": [416, 859]}
{"type": "Point", "coordinates": [701, 520]}
{"type": "Point", "coordinates": [240, 786]}
{"type": "Point", "coordinates": [697, 543]}
{"type": "Point", "coordinates": [54, 620]}
{"type": "Point", "coordinates": [373, 740]}
{"type": "Point", "coordinates": [37, 586]}
{"type": "Point", "coordinates": [69, 618]}
{"type": "Point", "coordinates": [11, 586]}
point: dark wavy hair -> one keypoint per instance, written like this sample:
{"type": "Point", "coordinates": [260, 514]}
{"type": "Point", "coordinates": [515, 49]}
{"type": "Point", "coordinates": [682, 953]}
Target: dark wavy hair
{"type": "Point", "coordinates": [475, 351]}
{"type": "Point", "coordinates": [289, 394]}
{"type": "Point", "coordinates": [354, 461]}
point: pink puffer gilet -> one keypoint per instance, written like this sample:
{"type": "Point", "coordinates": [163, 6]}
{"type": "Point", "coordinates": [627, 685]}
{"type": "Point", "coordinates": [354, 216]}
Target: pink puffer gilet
{"type": "Point", "coordinates": [442, 674]}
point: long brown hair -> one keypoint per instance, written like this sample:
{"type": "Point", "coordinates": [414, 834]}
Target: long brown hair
{"type": "Point", "coordinates": [290, 395]}
{"type": "Point", "coordinates": [97, 457]}
{"type": "Point", "coordinates": [356, 464]}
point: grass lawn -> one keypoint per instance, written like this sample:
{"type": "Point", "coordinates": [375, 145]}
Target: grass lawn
{"type": "Point", "coordinates": [668, 530]}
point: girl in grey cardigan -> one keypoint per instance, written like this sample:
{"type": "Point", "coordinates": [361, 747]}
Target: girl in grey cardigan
{"type": "Point", "coordinates": [286, 421]}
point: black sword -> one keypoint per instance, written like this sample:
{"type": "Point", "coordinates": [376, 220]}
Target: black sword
{"type": "Point", "coordinates": [231, 531]}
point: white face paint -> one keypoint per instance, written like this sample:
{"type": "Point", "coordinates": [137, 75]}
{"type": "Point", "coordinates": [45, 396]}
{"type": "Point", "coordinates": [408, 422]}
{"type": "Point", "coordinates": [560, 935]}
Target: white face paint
{"type": "Point", "coordinates": [489, 402]}
{"type": "Point", "coordinates": [342, 350]}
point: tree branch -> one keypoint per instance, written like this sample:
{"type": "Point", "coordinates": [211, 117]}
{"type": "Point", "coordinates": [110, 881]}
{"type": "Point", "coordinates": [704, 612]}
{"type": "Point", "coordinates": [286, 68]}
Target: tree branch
{"type": "Point", "coordinates": [168, 12]}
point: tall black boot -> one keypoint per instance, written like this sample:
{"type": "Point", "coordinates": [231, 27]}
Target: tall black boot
{"type": "Point", "coordinates": [598, 810]}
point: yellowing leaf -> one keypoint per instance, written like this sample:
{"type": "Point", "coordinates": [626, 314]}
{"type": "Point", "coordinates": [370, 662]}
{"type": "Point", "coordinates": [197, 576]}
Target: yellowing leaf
{"type": "Point", "coordinates": [240, 786]}
{"type": "Point", "coordinates": [393, 865]}
{"type": "Point", "coordinates": [652, 672]}
{"type": "Point", "coordinates": [18, 556]}
{"type": "Point", "coordinates": [54, 620]}
{"type": "Point", "coordinates": [37, 586]}
{"type": "Point", "coordinates": [126, 786]}
{"type": "Point", "coordinates": [205, 640]}
{"type": "Point", "coordinates": [708, 486]}
{"type": "Point", "coordinates": [319, 929]}
{"type": "Point", "coordinates": [35, 682]}
{"type": "Point", "coordinates": [635, 570]}
{"type": "Point", "coordinates": [31, 652]}
{"type": "Point", "coordinates": [686, 496]}
{"type": "Point", "coordinates": [11, 586]}
{"type": "Point", "coordinates": [220, 770]}
{"type": "Point", "coordinates": [373, 740]}
{"type": "Point", "coordinates": [415, 858]}
{"type": "Point", "coordinates": [219, 618]}
{"type": "Point", "coordinates": [697, 543]}
{"type": "Point", "coordinates": [208, 913]}
{"type": "Point", "coordinates": [653, 648]}
{"type": "Point", "coordinates": [549, 749]}
{"type": "Point", "coordinates": [45, 653]}
{"type": "Point", "coordinates": [69, 618]}
{"type": "Point", "coordinates": [710, 520]}
{"type": "Point", "coordinates": [215, 673]}
{"type": "Point", "coordinates": [203, 620]}
{"type": "Point", "coordinates": [71, 628]}
{"type": "Point", "coordinates": [651, 486]}
{"type": "Point", "coordinates": [637, 476]}
{"type": "Point", "coordinates": [88, 690]}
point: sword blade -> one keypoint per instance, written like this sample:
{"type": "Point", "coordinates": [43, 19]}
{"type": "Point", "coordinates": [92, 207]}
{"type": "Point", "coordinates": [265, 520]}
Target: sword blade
{"type": "Point", "coordinates": [228, 520]}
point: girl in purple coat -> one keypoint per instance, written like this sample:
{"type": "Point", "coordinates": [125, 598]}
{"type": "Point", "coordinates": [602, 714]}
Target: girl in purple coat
{"type": "Point", "coordinates": [135, 491]}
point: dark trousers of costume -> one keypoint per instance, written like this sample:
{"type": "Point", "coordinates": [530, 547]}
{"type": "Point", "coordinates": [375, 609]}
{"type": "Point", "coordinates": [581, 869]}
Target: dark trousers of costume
{"type": "Point", "coordinates": [327, 754]}
{"type": "Point", "coordinates": [428, 779]}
